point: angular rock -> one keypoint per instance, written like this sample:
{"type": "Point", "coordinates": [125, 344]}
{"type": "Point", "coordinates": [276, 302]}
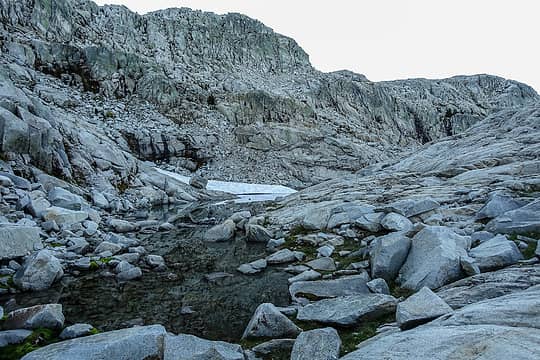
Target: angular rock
{"type": "Point", "coordinates": [17, 241]}
{"type": "Point", "coordinates": [107, 246]}
{"type": "Point", "coordinates": [253, 267]}
{"type": "Point", "coordinates": [130, 274]}
{"type": "Point", "coordinates": [523, 220]}
{"type": "Point", "coordinates": [370, 222]}
{"type": "Point", "coordinates": [258, 233]}
{"type": "Point", "coordinates": [75, 331]}
{"type": "Point", "coordinates": [269, 322]}
{"type": "Point", "coordinates": [496, 253]}
{"type": "Point", "coordinates": [307, 275]}
{"type": "Point", "coordinates": [378, 286]}
{"type": "Point", "coordinates": [221, 232]}
{"type": "Point", "coordinates": [497, 205]}
{"type": "Point", "coordinates": [122, 226]}
{"type": "Point", "coordinates": [38, 272]}
{"type": "Point", "coordinates": [199, 182]}
{"type": "Point", "coordinates": [412, 207]}
{"type": "Point", "coordinates": [469, 266]}
{"type": "Point", "coordinates": [275, 346]}
{"type": "Point", "coordinates": [9, 337]}
{"type": "Point", "coordinates": [155, 260]}
{"type": "Point", "coordinates": [63, 198]}
{"type": "Point", "coordinates": [348, 310]}
{"type": "Point", "coordinates": [180, 347]}
{"type": "Point", "coordinates": [64, 217]}
{"type": "Point", "coordinates": [396, 222]}
{"type": "Point", "coordinates": [347, 285]}
{"type": "Point", "coordinates": [434, 258]}
{"type": "Point", "coordinates": [47, 316]}
{"type": "Point", "coordinates": [318, 344]}
{"type": "Point", "coordinates": [281, 257]}
{"type": "Point", "coordinates": [322, 264]}
{"type": "Point", "coordinates": [420, 308]}
{"type": "Point", "coordinates": [388, 254]}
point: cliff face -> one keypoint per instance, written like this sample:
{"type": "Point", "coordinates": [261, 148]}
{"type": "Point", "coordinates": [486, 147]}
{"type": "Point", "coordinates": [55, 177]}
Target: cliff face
{"type": "Point", "coordinates": [236, 95]}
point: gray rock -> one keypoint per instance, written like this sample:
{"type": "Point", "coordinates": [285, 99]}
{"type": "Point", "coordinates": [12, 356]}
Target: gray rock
{"type": "Point", "coordinates": [485, 342]}
{"type": "Point", "coordinates": [221, 232]}
{"type": "Point", "coordinates": [281, 257]}
{"type": "Point", "coordinates": [322, 264]}
{"type": "Point", "coordinates": [17, 241]}
{"type": "Point", "coordinates": [137, 343]}
{"type": "Point", "coordinates": [370, 222]}
{"type": "Point", "coordinates": [37, 206]}
{"type": "Point", "coordinates": [496, 253]}
{"type": "Point", "coordinates": [155, 260]}
{"type": "Point", "coordinates": [396, 222]}
{"type": "Point", "coordinates": [49, 226]}
{"type": "Point", "coordinates": [18, 181]}
{"type": "Point", "coordinates": [307, 275]}
{"type": "Point", "coordinates": [318, 344]}
{"type": "Point", "coordinates": [388, 254]}
{"type": "Point", "coordinates": [130, 274]}
{"type": "Point", "coordinates": [325, 251]}
{"type": "Point", "coordinates": [107, 246]}
{"type": "Point", "coordinates": [497, 205]}
{"type": "Point", "coordinates": [271, 347]}
{"type": "Point", "coordinates": [122, 226]}
{"type": "Point", "coordinates": [434, 258]}
{"type": "Point", "coordinates": [343, 286]}
{"type": "Point", "coordinates": [9, 337]}
{"type": "Point", "coordinates": [348, 310]}
{"type": "Point", "coordinates": [469, 266]}
{"type": "Point", "coordinates": [48, 316]}
{"type": "Point", "coordinates": [420, 308]}
{"type": "Point", "coordinates": [258, 233]}
{"type": "Point", "coordinates": [198, 182]}
{"type": "Point", "coordinates": [378, 286]}
{"type": "Point", "coordinates": [412, 207]}
{"type": "Point", "coordinates": [519, 221]}
{"type": "Point", "coordinates": [63, 198]}
{"type": "Point", "coordinates": [99, 200]}
{"type": "Point", "coordinates": [190, 347]}
{"type": "Point", "coordinates": [64, 217]}
{"type": "Point", "coordinates": [75, 331]}
{"type": "Point", "coordinates": [78, 245]}
{"type": "Point", "coordinates": [269, 322]}
{"type": "Point", "coordinates": [253, 267]}
{"type": "Point", "coordinates": [39, 272]}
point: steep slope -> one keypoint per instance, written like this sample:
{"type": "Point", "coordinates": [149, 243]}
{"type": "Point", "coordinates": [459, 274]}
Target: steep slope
{"type": "Point", "coordinates": [241, 97]}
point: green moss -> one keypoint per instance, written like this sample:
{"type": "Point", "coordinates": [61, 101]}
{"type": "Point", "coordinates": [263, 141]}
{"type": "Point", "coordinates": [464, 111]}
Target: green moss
{"type": "Point", "coordinates": [94, 265]}
{"type": "Point", "coordinates": [94, 331]}
{"type": "Point", "coordinates": [105, 260]}
{"type": "Point", "coordinates": [55, 245]}
{"type": "Point", "coordinates": [350, 338]}
{"type": "Point", "coordinates": [39, 338]}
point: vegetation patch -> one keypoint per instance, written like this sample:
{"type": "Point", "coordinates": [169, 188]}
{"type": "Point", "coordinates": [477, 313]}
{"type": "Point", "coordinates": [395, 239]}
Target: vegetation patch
{"type": "Point", "coordinates": [39, 338]}
{"type": "Point", "coordinates": [350, 338]}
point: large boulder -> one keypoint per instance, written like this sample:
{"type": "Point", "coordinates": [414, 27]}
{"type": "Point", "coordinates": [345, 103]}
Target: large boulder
{"type": "Point", "coordinates": [65, 199]}
{"type": "Point", "coordinates": [221, 232]}
{"type": "Point", "coordinates": [17, 241]}
{"type": "Point", "coordinates": [434, 258]}
{"type": "Point", "coordinates": [318, 344]}
{"type": "Point", "coordinates": [396, 222]}
{"type": "Point", "coordinates": [322, 289]}
{"type": "Point", "coordinates": [38, 272]}
{"type": "Point", "coordinates": [9, 337]}
{"type": "Point", "coordinates": [186, 347]}
{"type": "Point", "coordinates": [420, 308]}
{"type": "Point", "coordinates": [497, 205]}
{"type": "Point", "coordinates": [496, 253]}
{"type": "Point", "coordinates": [258, 233]}
{"type": "Point", "coordinates": [269, 322]}
{"type": "Point", "coordinates": [523, 220]}
{"type": "Point", "coordinates": [48, 316]}
{"type": "Point", "coordinates": [137, 343]}
{"type": "Point", "coordinates": [388, 254]}
{"type": "Point", "coordinates": [64, 217]}
{"type": "Point", "coordinates": [348, 310]}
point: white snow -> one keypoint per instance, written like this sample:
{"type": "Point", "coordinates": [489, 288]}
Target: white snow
{"type": "Point", "coordinates": [246, 192]}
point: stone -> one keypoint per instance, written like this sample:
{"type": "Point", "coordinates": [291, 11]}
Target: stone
{"type": "Point", "coordinates": [49, 226]}
{"type": "Point", "coordinates": [281, 257]}
{"type": "Point", "coordinates": [274, 346]}
{"type": "Point", "coordinates": [199, 182]}
{"type": "Point", "coordinates": [38, 272]}
{"type": "Point", "coordinates": [107, 246]}
{"type": "Point", "coordinates": [36, 207]}
{"type": "Point", "coordinates": [469, 266]}
{"type": "Point", "coordinates": [325, 251]}
{"type": "Point", "coordinates": [322, 264]}
{"type": "Point", "coordinates": [221, 232]}
{"type": "Point", "coordinates": [523, 220]}
{"type": "Point", "coordinates": [307, 275]}
{"type": "Point", "coordinates": [370, 222]}
{"type": "Point", "coordinates": [388, 254]}
{"type": "Point", "coordinates": [496, 253]}
{"type": "Point", "coordinates": [412, 207]}
{"type": "Point", "coordinates": [18, 181]}
{"type": "Point", "coordinates": [99, 200]}
{"type": "Point", "coordinates": [348, 310]}
{"type": "Point", "coordinates": [183, 346]}
{"type": "Point", "coordinates": [497, 205]}
{"type": "Point", "coordinates": [18, 241]}
{"type": "Point", "coordinates": [90, 228]}
{"type": "Point", "coordinates": [420, 308]}
{"type": "Point", "coordinates": [48, 316]}
{"type": "Point", "coordinates": [6, 182]}
{"type": "Point", "coordinates": [269, 322]}
{"type": "Point", "coordinates": [78, 245]}
{"type": "Point", "coordinates": [136, 343]}
{"type": "Point", "coordinates": [130, 274]}
{"type": "Point", "coordinates": [378, 286]}
{"type": "Point", "coordinates": [434, 258]}
{"type": "Point", "coordinates": [253, 267]}
{"type": "Point", "coordinates": [396, 222]}
{"type": "Point", "coordinates": [155, 260]}
{"type": "Point", "coordinates": [64, 217]}
{"type": "Point", "coordinates": [318, 344]}
{"type": "Point", "coordinates": [75, 331]}
{"type": "Point", "coordinates": [321, 289]}
{"type": "Point", "coordinates": [64, 199]}
{"type": "Point", "coordinates": [257, 233]}
{"type": "Point", "coordinates": [122, 226]}
{"type": "Point", "coordinates": [10, 337]}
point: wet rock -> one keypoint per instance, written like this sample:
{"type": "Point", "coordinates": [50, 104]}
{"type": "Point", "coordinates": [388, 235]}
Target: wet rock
{"type": "Point", "coordinates": [396, 222]}
{"type": "Point", "coordinates": [434, 258]}
{"type": "Point", "coordinates": [9, 337]}
{"type": "Point", "coordinates": [318, 344]}
{"type": "Point", "coordinates": [420, 308]}
{"type": "Point", "coordinates": [221, 232]}
{"type": "Point", "coordinates": [48, 316]}
{"type": "Point", "coordinates": [39, 272]}
{"type": "Point", "coordinates": [253, 267]}
{"type": "Point", "coordinates": [378, 286]}
{"type": "Point", "coordinates": [75, 331]}
{"type": "Point", "coordinates": [388, 254]}
{"type": "Point", "coordinates": [347, 285]}
{"type": "Point", "coordinates": [348, 310]}
{"type": "Point", "coordinates": [17, 241]}
{"type": "Point", "coordinates": [137, 343]}
{"type": "Point", "coordinates": [269, 322]}
{"type": "Point", "coordinates": [496, 253]}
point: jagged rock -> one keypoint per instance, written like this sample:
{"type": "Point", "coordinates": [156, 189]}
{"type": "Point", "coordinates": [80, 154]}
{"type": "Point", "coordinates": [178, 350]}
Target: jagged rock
{"type": "Point", "coordinates": [62, 198]}
{"type": "Point", "coordinates": [322, 264]}
{"type": "Point", "coordinates": [469, 266]}
{"type": "Point", "coordinates": [17, 241]}
{"type": "Point", "coordinates": [137, 343]}
{"type": "Point", "coordinates": [38, 272]}
{"type": "Point", "coordinates": [99, 200]}
{"type": "Point", "coordinates": [348, 310]}
{"type": "Point", "coordinates": [497, 205]}
{"type": "Point", "coordinates": [221, 232]}
{"type": "Point", "coordinates": [179, 347]}
{"type": "Point", "coordinates": [519, 221]}
{"type": "Point", "coordinates": [122, 226]}
{"type": "Point", "coordinates": [75, 331]}
{"type": "Point", "coordinates": [434, 258]}
{"type": "Point", "coordinates": [396, 222]}
{"type": "Point", "coordinates": [281, 257]}
{"type": "Point", "coordinates": [412, 207]}
{"type": "Point", "coordinates": [496, 253]}
{"type": "Point", "coordinates": [370, 222]}
{"type": "Point", "coordinates": [198, 182]}
{"type": "Point", "coordinates": [378, 286]}
{"type": "Point", "coordinates": [64, 217]}
{"type": "Point", "coordinates": [257, 233]}
{"type": "Point", "coordinates": [420, 308]}
{"type": "Point", "coordinates": [318, 344]}
{"type": "Point", "coordinates": [347, 285]}
{"type": "Point", "coordinates": [48, 316]}
{"type": "Point", "coordinates": [388, 254]}
{"type": "Point", "coordinates": [279, 346]}
{"type": "Point", "coordinates": [268, 322]}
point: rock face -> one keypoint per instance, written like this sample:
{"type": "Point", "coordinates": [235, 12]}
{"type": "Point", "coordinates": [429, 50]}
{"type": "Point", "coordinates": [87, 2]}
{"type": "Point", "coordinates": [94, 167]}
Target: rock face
{"type": "Point", "coordinates": [269, 322]}
{"type": "Point", "coordinates": [420, 308]}
{"type": "Point", "coordinates": [319, 344]}
{"type": "Point", "coordinates": [433, 260]}
{"type": "Point", "coordinates": [39, 272]}
{"type": "Point", "coordinates": [17, 241]}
